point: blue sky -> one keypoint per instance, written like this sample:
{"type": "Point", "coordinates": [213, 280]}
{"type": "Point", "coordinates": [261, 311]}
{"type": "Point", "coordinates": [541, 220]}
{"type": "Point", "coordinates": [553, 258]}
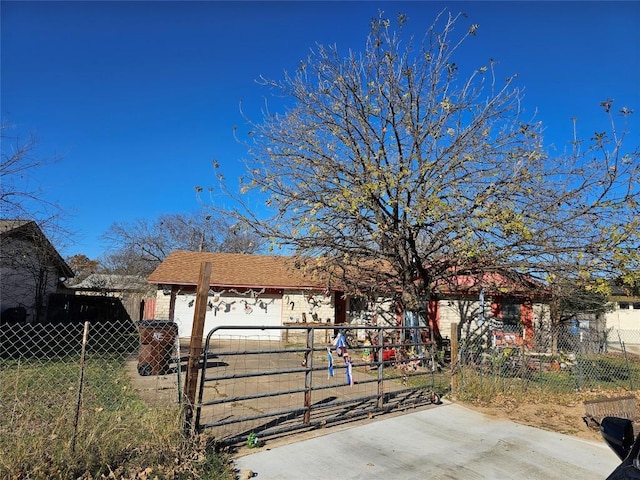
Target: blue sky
{"type": "Point", "coordinates": [137, 98]}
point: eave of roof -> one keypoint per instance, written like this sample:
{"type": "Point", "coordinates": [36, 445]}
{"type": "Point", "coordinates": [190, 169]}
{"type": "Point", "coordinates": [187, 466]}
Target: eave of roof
{"type": "Point", "coordinates": [624, 298]}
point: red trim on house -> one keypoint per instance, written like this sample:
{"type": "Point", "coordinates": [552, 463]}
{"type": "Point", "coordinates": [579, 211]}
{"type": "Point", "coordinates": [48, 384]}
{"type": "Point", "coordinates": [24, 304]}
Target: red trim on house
{"type": "Point", "coordinates": [496, 307]}
{"type": "Point", "coordinates": [399, 313]}
{"type": "Point", "coordinates": [340, 309]}
{"type": "Point", "coordinates": [433, 316]}
{"type": "Point", "coordinates": [526, 316]}
{"type": "Point", "coordinates": [149, 308]}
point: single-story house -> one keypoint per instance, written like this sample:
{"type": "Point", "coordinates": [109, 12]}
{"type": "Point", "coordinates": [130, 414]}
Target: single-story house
{"type": "Point", "coordinates": [624, 317]}
{"type": "Point", "coordinates": [261, 290]}
{"type": "Point", "coordinates": [247, 290]}
{"type": "Point", "coordinates": [31, 269]}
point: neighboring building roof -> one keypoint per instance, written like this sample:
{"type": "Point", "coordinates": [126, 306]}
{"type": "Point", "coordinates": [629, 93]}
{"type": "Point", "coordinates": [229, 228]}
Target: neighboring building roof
{"type": "Point", "coordinates": [622, 293]}
{"type": "Point", "coordinates": [9, 225]}
{"type": "Point", "coordinates": [234, 270]}
{"type": "Point", "coordinates": [29, 230]}
{"type": "Point", "coordinates": [112, 283]}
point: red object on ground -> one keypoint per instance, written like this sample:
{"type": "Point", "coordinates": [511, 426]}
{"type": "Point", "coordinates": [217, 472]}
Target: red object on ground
{"type": "Point", "coordinates": [388, 355]}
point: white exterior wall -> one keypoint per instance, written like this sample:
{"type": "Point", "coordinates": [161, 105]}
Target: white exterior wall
{"type": "Point", "coordinates": [541, 315]}
{"type": "Point", "coordinates": [163, 305]}
{"type": "Point", "coordinates": [225, 311]}
{"type": "Point", "coordinates": [380, 312]}
{"type": "Point", "coordinates": [449, 311]}
{"type": "Point", "coordinates": [299, 306]}
{"type": "Point", "coordinates": [624, 318]}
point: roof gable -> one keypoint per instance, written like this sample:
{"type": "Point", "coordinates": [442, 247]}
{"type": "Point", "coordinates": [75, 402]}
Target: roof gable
{"type": "Point", "coordinates": [30, 231]}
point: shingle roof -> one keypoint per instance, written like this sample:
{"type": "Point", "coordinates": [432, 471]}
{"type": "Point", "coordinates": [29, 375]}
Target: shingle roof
{"type": "Point", "coordinates": [493, 281]}
{"type": "Point", "coordinates": [234, 269]}
{"type": "Point", "coordinates": [111, 282]}
{"type": "Point", "coordinates": [261, 271]}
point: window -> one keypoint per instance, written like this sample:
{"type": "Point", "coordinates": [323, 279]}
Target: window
{"type": "Point", "coordinates": [511, 316]}
{"type": "Point", "coordinates": [358, 310]}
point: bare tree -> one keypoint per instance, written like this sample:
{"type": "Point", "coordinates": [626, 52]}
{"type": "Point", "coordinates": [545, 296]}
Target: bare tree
{"type": "Point", "coordinates": [20, 195]}
{"type": "Point", "coordinates": [400, 157]}
{"type": "Point", "coordinates": [31, 266]}
{"type": "Point", "coordinates": [140, 246]}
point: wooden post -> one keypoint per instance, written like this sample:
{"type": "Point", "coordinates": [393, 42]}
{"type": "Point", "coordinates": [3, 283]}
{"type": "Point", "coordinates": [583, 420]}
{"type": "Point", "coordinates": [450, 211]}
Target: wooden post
{"type": "Point", "coordinates": [454, 358]}
{"type": "Point", "coordinates": [195, 347]}
{"type": "Point", "coordinates": [80, 385]}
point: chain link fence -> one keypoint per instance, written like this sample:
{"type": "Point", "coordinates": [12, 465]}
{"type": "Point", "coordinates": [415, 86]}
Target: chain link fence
{"type": "Point", "coordinates": [74, 393]}
{"type": "Point", "coordinates": [80, 391]}
{"type": "Point", "coordinates": [560, 360]}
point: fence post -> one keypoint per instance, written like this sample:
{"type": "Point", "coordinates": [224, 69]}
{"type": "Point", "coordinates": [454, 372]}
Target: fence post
{"type": "Point", "coordinates": [195, 347]}
{"type": "Point", "coordinates": [523, 369]}
{"type": "Point", "coordinates": [580, 359]}
{"type": "Point", "coordinates": [308, 375]}
{"type": "Point", "coordinates": [626, 360]}
{"type": "Point", "coordinates": [83, 352]}
{"type": "Point", "coordinates": [380, 359]}
{"type": "Point", "coordinates": [454, 358]}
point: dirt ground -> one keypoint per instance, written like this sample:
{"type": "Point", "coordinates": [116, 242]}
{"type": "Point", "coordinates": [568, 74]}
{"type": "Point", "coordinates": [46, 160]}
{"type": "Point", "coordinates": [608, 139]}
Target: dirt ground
{"type": "Point", "coordinates": [561, 414]}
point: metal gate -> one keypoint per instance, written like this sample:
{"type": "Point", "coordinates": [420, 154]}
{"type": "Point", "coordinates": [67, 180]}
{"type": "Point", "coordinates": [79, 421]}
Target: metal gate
{"type": "Point", "coordinates": [307, 377]}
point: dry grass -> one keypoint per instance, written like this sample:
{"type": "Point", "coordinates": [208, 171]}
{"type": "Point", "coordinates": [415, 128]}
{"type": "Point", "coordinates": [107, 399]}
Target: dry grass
{"type": "Point", "coordinates": [117, 435]}
{"type": "Point", "coordinates": [550, 406]}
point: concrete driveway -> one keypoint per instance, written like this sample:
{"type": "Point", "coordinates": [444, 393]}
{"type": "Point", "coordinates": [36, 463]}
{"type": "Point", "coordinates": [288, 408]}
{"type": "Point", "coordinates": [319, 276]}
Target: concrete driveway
{"type": "Point", "coordinates": [447, 442]}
